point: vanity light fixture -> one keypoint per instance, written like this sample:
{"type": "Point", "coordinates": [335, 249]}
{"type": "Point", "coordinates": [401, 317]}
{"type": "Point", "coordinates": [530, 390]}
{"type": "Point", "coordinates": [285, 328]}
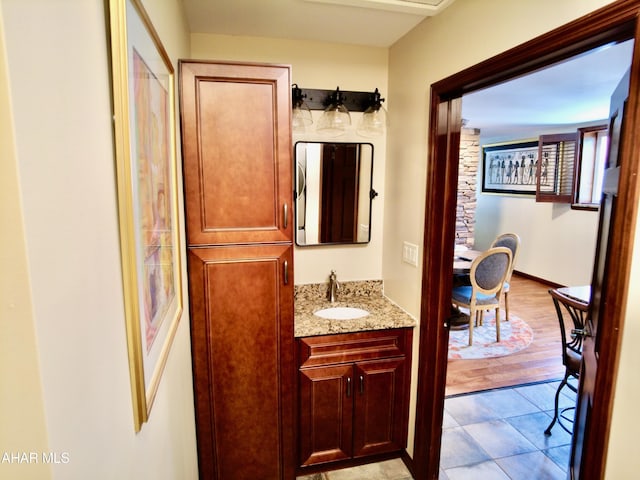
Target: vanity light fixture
{"type": "Point", "coordinates": [301, 114]}
{"type": "Point", "coordinates": [336, 118]}
{"type": "Point", "coordinates": [337, 105]}
{"type": "Point", "coordinates": [374, 119]}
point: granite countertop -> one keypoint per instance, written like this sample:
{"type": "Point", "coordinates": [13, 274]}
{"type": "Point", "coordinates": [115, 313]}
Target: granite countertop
{"type": "Point", "coordinates": [367, 294]}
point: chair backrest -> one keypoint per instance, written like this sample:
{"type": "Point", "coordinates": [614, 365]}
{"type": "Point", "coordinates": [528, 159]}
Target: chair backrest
{"type": "Point", "coordinates": [512, 242]}
{"type": "Point", "coordinates": [577, 311]}
{"type": "Point", "coordinates": [489, 271]}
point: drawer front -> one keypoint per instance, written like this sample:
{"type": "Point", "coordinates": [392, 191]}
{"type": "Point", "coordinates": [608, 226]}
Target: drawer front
{"type": "Point", "coordinates": [353, 347]}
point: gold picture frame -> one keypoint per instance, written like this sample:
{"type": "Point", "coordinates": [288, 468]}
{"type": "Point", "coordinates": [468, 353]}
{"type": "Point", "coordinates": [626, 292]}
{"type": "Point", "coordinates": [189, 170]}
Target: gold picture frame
{"type": "Point", "coordinates": [146, 168]}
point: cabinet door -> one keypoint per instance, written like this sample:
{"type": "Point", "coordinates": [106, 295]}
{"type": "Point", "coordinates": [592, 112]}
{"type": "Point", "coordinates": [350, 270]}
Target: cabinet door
{"type": "Point", "coordinates": [243, 361]}
{"type": "Point", "coordinates": [379, 398]}
{"type": "Point", "coordinates": [326, 413]}
{"type": "Point", "coordinates": [236, 141]}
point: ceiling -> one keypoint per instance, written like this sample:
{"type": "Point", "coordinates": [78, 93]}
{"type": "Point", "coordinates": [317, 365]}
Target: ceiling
{"type": "Point", "coordinates": [376, 23]}
{"type": "Point", "coordinates": [572, 92]}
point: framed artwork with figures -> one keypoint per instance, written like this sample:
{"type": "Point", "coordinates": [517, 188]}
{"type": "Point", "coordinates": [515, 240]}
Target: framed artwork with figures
{"type": "Point", "coordinates": [510, 168]}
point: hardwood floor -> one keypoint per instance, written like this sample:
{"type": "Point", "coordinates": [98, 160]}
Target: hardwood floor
{"type": "Point", "coordinates": [529, 300]}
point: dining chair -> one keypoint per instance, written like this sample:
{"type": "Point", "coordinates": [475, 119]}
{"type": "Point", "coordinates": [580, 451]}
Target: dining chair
{"type": "Point", "coordinates": [571, 349]}
{"type": "Point", "coordinates": [487, 276]}
{"type": "Point", "coordinates": [512, 242]}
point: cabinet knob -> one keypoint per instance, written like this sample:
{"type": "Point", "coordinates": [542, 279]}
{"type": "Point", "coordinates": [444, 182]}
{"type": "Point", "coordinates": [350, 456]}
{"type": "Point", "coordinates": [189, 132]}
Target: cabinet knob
{"type": "Point", "coordinates": [361, 384]}
{"type": "Point", "coordinates": [348, 386]}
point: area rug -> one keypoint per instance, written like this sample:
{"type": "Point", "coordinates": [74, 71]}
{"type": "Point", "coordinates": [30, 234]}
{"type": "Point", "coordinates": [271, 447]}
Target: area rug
{"type": "Point", "coordinates": [515, 335]}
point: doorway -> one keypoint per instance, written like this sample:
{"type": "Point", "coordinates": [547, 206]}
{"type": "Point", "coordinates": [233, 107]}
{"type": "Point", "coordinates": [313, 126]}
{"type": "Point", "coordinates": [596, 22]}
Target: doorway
{"type": "Point", "coordinates": [557, 238]}
{"type": "Point", "coordinates": [613, 23]}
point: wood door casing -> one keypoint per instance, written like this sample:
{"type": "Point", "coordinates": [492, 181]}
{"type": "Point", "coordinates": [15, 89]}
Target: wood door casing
{"type": "Point", "coordinates": [243, 360]}
{"type": "Point", "coordinates": [237, 149]}
{"type": "Point", "coordinates": [586, 436]}
{"type": "Point", "coordinates": [617, 21]}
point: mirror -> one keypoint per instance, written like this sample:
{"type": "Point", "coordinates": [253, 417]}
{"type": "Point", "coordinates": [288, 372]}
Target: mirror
{"type": "Point", "coordinates": [333, 192]}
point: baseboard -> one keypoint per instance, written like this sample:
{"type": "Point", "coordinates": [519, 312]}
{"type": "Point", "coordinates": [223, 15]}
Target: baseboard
{"type": "Point", "coordinates": [408, 462]}
{"type": "Point", "coordinates": [538, 279]}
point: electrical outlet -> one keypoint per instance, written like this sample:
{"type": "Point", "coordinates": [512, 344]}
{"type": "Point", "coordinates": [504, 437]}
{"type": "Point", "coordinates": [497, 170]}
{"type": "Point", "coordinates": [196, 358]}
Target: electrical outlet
{"type": "Point", "coordinates": [410, 253]}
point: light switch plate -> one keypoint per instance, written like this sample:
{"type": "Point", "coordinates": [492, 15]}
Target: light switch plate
{"type": "Point", "coordinates": [410, 253]}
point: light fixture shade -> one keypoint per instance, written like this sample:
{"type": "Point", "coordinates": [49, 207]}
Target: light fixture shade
{"type": "Point", "coordinates": [374, 122]}
{"type": "Point", "coordinates": [374, 119]}
{"type": "Point", "coordinates": [301, 114]}
{"type": "Point", "coordinates": [301, 117]}
{"type": "Point", "coordinates": [336, 119]}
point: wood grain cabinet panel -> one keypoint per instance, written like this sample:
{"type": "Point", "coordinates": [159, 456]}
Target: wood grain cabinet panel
{"type": "Point", "coordinates": [355, 404]}
{"type": "Point", "coordinates": [380, 401]}
{"type": "Point", "coordinates": [236, 152]}
{"type": "Point", "coordinates": [236, 140]}
{"type": "Point", "coordinates": [326, 399]}
{"type": "Point", "coordinates": [242, 348]}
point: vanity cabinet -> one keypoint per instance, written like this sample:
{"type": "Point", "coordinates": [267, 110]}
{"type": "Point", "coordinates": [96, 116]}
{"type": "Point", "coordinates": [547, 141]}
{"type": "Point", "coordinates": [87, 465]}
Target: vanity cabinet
{"type": "Point", "coordinates": [353, 395]}
{"type": "Point", "coordinates": [237, 170]}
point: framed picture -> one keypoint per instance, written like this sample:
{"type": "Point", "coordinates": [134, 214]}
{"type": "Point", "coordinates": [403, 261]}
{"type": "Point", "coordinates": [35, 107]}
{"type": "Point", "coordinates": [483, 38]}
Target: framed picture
{"type": "Point", "coordinates": [510, 168]}
{"type": "Point", "coordinates": [144, 129]}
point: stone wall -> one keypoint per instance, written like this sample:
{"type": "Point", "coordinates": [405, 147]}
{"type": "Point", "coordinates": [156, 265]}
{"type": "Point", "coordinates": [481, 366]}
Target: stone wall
{"type": "Point", "coordinates": [467, 184]}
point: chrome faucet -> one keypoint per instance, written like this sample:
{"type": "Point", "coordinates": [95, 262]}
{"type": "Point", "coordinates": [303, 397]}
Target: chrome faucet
{"type": "Point", "coordinates": [334, 286]}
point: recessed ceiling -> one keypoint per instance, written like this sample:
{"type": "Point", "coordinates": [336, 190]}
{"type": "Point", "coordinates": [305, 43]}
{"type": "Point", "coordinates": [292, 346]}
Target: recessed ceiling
{"type": "Point", "coordinates": [376, 23]}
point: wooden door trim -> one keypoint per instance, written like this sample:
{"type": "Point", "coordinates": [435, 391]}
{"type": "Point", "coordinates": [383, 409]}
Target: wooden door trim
{"type": "Point", "coordinates": [613, 22]}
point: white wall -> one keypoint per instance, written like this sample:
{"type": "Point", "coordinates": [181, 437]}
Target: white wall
{"type": "Point", "coordinates": [466, 33]}
{"type": "Point", "coordinates": [58, 74]}
{"type": "Point", "coordinates": [558, 243]}
{"type": "Point", "coordinates": [322, 66]}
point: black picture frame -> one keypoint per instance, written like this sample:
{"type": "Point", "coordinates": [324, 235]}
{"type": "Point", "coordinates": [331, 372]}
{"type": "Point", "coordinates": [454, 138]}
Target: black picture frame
{"type": "Point", "coordinates": [510, 168]}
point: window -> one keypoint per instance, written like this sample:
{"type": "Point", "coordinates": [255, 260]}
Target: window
{"type": "Point", "coordinates": [593, 148]}
{"type": "Point", "coordinates": [571, 167]}
{"type": "Point", "coordinates": [556, 167]}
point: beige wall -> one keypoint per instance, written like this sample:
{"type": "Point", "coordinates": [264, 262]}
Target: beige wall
{"type": "Point", "coordinates": [22, 422]}
{"type": "Point", "coordinates": [466, 33]}
{"type": "Point", "coordinates": [322, 66]}
{"type": "Point", "coordinates": [622, 460]}
{"type": "Point", "coordinates": [67, 288]}
{"type": "Point", "coordinates": [65, 194]}
{"type": "Point", "coordinates": [438, 47]}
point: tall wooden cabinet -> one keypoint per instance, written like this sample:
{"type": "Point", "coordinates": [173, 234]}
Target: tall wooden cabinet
{"type": "Point", "coordinates": [236, 143]}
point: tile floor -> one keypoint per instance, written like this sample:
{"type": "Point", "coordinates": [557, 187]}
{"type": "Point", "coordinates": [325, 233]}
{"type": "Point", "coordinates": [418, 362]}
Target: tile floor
{"type": "Point", "coordinates": [499, 435]}
{"type": "Point", "coordinates": [493, 435]}
{"type": "Point", "coordinates": [387, 470]}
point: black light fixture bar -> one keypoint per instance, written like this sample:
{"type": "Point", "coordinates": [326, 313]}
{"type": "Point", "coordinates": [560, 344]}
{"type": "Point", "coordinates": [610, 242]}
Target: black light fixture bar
{"type": "Point", "coordinates": [321, 99]}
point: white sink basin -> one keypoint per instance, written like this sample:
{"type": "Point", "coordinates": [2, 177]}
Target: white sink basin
{"type": "Point", "coordinates": [341, 313]}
